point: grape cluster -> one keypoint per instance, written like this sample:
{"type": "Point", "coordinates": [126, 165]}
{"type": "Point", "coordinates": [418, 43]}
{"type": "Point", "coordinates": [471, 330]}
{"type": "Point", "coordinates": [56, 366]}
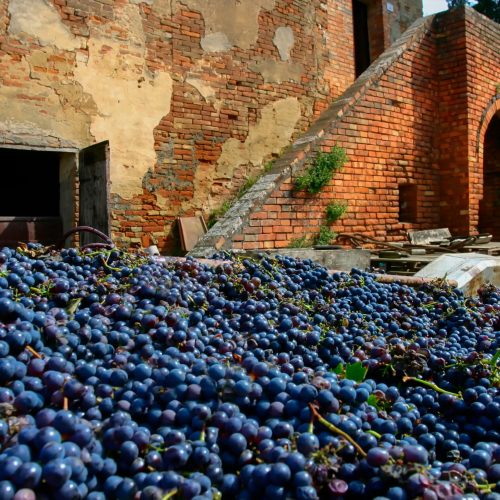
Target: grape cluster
{"type": "Point", "coordinates": [125, 377]}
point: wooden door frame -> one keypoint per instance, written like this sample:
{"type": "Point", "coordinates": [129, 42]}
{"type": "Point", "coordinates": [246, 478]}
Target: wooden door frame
{"type": "Point", "coordinates": [80, 155]}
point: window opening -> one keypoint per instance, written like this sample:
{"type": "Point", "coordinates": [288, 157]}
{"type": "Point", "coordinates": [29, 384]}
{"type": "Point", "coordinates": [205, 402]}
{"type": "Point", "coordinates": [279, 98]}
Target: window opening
{"type": "Point", "coordinates": [361, 36]}
{"type": "Point", "coordinates": [407, 203]}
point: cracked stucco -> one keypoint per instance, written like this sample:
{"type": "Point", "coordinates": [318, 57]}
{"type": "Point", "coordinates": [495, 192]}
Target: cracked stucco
{"type": "Point", "coordinates": [284, 41]}
{"type": "Point", "coordinates": [205, 90]}
{"type": "Point", "coordinates": [44, 111]}
{"type": "Point", "coordinates": [109, 96]}
{"type": "Point", "coordinates": [130, 104]}
{"type": "Point", "coordinates": [278, 71]}
{"type": "Point", "coordinates": [229, 23]}
{"type": "Point", "coordinates": [39, 19]}
{"type": "Point", "coordinates": [268, 136]}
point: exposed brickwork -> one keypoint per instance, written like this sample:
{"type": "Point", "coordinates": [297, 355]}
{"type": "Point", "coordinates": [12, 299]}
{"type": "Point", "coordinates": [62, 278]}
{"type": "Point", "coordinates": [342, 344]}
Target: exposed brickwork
{"type": "Point", "coordinates": [190, 138]}
{"type": "Point", "coordinates": [217, 95]}
{"type": "Point", "coordinates": [415, 117]}
{"type": "Point", "coordinates": [452, 131]}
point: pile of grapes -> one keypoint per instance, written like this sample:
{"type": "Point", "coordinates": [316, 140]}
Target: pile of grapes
{"type": "Point", "coordinates": [122, 377]}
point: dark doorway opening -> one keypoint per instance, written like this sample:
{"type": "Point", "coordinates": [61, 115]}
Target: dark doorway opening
{"type": "Point", "coordinates": [30, 196]}
{"type": "Point", "coordinates": [29, 184]}
{"type": "Point", "coordinates": [489, 210]}
{"type": "Point", "coordinates": [44, 193]}
{"type": "Point", "coordinates": [361, 36]}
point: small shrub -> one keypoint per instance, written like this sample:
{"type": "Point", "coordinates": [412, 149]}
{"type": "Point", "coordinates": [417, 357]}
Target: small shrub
{"type": "Point", "coordinates": [218, 213]}
{"type": "Point", "coordinates": [246, 186]}
{"type": "Point", "coordinates": [268, 167]}
{"type": "Point", "coordinates": [321, 172]}
{"type": "Point", "coordinates": [324, 237]}
{"type": "Point", "coordinates": [302, 242]}
{"type": "Point", "coordinates": [335, 210]}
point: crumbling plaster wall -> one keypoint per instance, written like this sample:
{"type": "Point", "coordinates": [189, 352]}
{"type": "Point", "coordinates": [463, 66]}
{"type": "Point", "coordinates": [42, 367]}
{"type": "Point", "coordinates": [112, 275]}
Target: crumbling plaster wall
{"type": "Point", "coordinates": [193, 96]}
{"type": "Point", "coordinates": [81, 90]}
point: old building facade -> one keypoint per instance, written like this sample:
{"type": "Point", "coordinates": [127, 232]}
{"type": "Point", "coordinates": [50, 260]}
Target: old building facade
{"type": "Point", "coordinates": [181, 100]}
{"type": "Point", "coordinates": [125, 114]}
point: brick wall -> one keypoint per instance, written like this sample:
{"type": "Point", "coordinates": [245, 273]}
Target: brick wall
{"type": "Point", "coordinates": [417, 117]}
{"type": "Point", "coordinates": [452, 130]}
{"type": "Point", "coordinates": [190, 138]}
{"type": "Point", "coordinates": [183, 92]}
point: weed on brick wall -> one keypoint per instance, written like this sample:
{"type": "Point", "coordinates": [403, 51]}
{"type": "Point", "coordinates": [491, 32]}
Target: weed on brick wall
{"type": "Point", "coordinates": [322, 170]}
{"type": "Point", "coordinates": [326, 236]}
{"type": "Point", "coordinates": [335, 210]}
{"type": "Point", "coordinates": [245, 187]}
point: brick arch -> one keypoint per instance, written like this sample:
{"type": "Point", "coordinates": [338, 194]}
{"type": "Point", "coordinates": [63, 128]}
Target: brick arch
{"type": "Point", "coordinates": [492, 108]}
{"type": "Point", "coordinates": [488, 154]}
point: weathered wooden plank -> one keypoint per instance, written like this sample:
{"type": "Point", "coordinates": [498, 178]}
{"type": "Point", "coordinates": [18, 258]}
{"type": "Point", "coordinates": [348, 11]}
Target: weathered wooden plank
{"type": "Point", "coordinates": [191, 229]}
{"type": "Point", "coordinates": [428, 236]}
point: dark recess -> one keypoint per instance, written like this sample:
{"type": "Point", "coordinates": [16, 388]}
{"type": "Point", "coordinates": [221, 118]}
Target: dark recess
{"type": "Point", "coordinates": [29, 183]}
{"type": "Point", "coordinates": [361, 36]}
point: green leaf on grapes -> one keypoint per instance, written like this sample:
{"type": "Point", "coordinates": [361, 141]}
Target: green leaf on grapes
{"type": "Point", "coordinates": [373, 401]}
{"type": "Point", "coordinates": [495, 358]}
{"type": "Point", "coordinates": [73, 306]}
{"type": "Point", "coordinates": [339, 369]}
{"type": "Point", "coordinates": [356, 372]}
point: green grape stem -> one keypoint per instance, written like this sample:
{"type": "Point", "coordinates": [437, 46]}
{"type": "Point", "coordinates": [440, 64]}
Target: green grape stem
{"type": "Point", "coordinates": [170, 494]}
{"type": "Point", "coordinates": [336, 430]}
{"type": "Point", "coordinates": [432, 385]}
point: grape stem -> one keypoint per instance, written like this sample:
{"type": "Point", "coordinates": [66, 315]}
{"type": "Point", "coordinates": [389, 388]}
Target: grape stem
{"type": "Point", "coordinates": [335, 429]}
{"type": "Point", "coordinates": [32, 351]}
{"type": "Point", "coordinates": [485, 488]}
{"type": "Point", "coordinates": [432, 385]}
{"type": "Point", "coordinates": [311, 424]}
{"type": "Point", "coordinates": [170, 494]}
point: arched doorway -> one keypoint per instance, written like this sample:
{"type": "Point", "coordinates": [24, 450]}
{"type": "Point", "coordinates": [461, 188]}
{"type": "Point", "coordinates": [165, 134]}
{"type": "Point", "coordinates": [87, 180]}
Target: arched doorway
{"type": "Point", "coordinates": [489, 211]}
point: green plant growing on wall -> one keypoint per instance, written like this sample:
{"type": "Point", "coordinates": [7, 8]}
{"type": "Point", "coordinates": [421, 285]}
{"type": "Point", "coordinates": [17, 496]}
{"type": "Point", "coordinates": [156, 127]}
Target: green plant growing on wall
{"type": "Point", "coordinates": [335, 210]}
{"type": "Point", "coordinates": [322, 170]}
{"type": "Point", "coordinates": [245, 187]}
{"type": "Point", "coordinates": [218, 213]}
{"type": "Point", "coordinates": [302, 242]}
{"type": "Point", "coordinates": [325, 236]}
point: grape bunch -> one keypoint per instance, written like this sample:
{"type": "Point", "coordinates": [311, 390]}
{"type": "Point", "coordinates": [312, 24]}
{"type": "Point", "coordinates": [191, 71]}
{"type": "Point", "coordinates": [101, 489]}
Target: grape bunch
{"type": "Point", "coordinates": [125, 377]}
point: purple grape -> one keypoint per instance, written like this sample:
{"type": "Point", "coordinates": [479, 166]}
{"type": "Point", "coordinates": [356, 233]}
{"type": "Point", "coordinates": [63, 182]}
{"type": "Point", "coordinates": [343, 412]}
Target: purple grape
{"type": "Point", "coordinates": [377, 457]}
{"type": "Point", "coordinates": [25, 494]}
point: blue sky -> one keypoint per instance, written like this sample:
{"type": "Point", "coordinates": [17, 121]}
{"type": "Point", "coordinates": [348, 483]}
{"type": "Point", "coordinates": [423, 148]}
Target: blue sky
{"type": "Point", "coordinates": [432, 6]}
